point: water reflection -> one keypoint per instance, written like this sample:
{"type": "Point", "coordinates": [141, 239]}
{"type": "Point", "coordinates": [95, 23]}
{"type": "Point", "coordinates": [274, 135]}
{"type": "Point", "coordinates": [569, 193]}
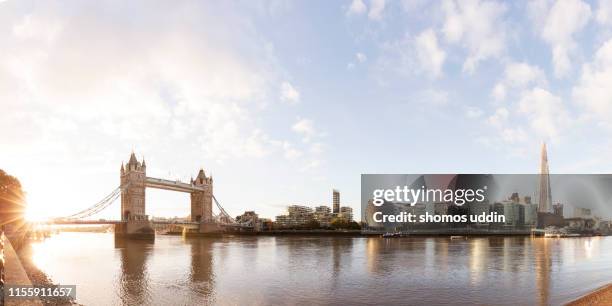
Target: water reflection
{"type": "Point", "coordinates": [340, 250]}
{"type": "Point", "coordinates": [441, 254]}
{"type": "Point", "coordinates": [543, 265]}
{"type": "Point", "coordinates": [201, 275]}
{"type": "Point", "coordinates": [326, 270]}
{"type": "Point", "coordinates": [478, 260]}
{"type": "Point", "coordinates": [134, 279]}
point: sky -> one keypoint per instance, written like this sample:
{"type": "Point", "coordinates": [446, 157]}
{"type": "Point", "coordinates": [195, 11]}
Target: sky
{"type": "Point", "coordinates": [281, 101]}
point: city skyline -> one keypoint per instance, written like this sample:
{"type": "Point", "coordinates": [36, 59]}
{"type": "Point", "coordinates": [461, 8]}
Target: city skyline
{"type": "Point", "coordinates": [283, 114]}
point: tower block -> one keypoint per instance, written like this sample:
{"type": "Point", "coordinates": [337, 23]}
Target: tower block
{"type": "Point", "coordinates": [201, 201]}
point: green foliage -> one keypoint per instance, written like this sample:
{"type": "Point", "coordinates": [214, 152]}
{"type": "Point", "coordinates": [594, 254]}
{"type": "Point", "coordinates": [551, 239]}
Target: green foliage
{"type": "Point", "coordinates": [314, 224]}
{"type": "Point", "coordinates": [11, 198]}
{"type": "Point", "coordinates": [311, 225]}
{"type": "Point", "coordinates": [340, 223]}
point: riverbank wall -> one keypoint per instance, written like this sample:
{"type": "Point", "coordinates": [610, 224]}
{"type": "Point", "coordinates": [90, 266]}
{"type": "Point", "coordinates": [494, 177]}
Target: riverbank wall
{"type": "Point", "coordinates": [15, 274]}
{"type": "Point", "coordinates": [599, 297]}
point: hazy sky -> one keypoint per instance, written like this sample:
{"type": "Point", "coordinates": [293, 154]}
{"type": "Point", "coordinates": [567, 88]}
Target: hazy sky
{"type": "Point", "coordinates": [284, 100]}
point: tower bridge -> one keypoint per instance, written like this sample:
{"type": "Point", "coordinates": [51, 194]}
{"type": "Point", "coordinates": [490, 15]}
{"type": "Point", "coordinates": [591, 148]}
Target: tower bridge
{"type": "Point", "coordinates": [134, 178]}
{"type": "Point", "coordinates": [134, 221]}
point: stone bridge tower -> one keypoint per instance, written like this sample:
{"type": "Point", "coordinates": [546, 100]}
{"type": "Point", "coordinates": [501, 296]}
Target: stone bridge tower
{"type": "Point", "coordinates": [133, 179]}
{"type": "Point", "coordinates": [201, 201]}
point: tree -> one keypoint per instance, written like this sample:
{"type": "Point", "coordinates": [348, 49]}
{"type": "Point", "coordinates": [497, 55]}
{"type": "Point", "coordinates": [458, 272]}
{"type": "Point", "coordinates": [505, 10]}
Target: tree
{"type": "Point", "coordinates": [312, 224]}
{"type": "Point", "coordinates": [354, 225]}
{"type": "Point", "coordinates": [338, 223]}
{"type": "Point", "coordinates": [11, 199]}
{"type": "Point", "coordinates": [341, 223]}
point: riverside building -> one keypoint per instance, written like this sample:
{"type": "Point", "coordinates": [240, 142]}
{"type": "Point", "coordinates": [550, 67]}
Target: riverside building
{"type": "Point", "coordinates": [346, 213]}
{"type": "Point", "coordinates": [323, 215]}
{"type": "Point", "coordinates": [297, 215]}
{"type": "Point", "coordinates": [336, 201]}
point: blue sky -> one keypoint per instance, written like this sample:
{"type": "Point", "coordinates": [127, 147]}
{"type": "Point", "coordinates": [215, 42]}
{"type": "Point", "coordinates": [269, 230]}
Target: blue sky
{"type": "Point", "coordinates": [284, 100]}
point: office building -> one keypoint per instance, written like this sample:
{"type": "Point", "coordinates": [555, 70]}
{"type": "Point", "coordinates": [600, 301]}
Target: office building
{"type": "Point", "coordinates": [580, 212]}
{"type": "Point", "coordinates": [558, 209]}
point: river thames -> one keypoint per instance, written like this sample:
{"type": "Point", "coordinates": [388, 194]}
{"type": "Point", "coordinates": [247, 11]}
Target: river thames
{"type": "Point", "coordinates": [290, 270]}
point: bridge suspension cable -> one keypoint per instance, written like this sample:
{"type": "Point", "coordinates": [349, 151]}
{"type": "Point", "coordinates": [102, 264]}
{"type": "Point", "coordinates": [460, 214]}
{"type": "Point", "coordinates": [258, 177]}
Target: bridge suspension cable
{"type": "Point", "coordinates": [223, 215]}
{"type": "Point", "coordinates": [98, 207]}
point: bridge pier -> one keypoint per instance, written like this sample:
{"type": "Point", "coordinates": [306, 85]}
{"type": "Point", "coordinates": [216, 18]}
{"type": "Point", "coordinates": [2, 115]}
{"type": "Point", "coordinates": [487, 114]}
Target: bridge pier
{"type": "Point", "coordinates": [135, 229]}
{"type": "Point", "coordinates": [210, 228]}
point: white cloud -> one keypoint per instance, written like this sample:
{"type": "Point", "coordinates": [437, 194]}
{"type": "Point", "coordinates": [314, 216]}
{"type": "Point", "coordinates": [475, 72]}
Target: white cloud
{"type": "Point", "coordinates": [289, 94]}
{"type": "Point", "coordinates": [312, 146]}
{"type": "Point", "coordinates": [476, 26]}
{"type": "Point", "coordinates": [411, 56]}
{"type": "Point", "coordinates": [522, 74]}
{"type": "Point", "coordinates": [34, 27]}
{"type": "Point", "coordinates": [473, 112]}
{"type": "Point", "coordinates": [376, 9]}
{"type": "Point", "coordinates": [434, 97]}
{"type": "Point", "coordinates": [560, 23]}
{"type": "Point", "coordinates": [430, 56]}
{"type": "Point", "coordinates": [311, 165]}
{"type": "Point", "coordinates": [518, 76]}
{"type": "Point", "coordinates": [357, 7]}
{"type": "Point", "coordinates": [594, 90]}
{"type": "Point", "coordinates": [397, 56]}
{"type": "Point", "coordinates": [316, 148]}
{"type": "Point", "coordinates": [258, 144]}
{"type": "Point", "coordinates": [537, 115]}
{"type": "Point", "coordinates": [411, 6]}
{"type": "Point", "coordinates": [545, 112]}
{"type": "Point", "coordinates": [499, 92]}
{"type": "Point", "coordinates": [499, 117]}
{"type": "Point", "coordinates": [507, 132]}
{"type": "Point", "coordinates": [513, 135]}
{"type": "Point", "coordinates": [604, 12]}
{"type": "Point", "coordinates": [305, 128]}
{"type": "Point", "coordinates": [291, 153]}
{"type": "Point", "coordinates": [361, 58]}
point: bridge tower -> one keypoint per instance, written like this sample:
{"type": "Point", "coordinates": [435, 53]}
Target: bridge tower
{"type": "Point", "coordinates": [201, 201]}
{"type": "Point", "coordinates": [133, 178]}
{"type": "Point", "coordinates": [133, 183]}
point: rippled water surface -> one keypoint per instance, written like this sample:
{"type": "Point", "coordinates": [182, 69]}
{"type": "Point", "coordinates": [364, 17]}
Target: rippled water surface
{"type": "Point", "coordinates": [325, 270]}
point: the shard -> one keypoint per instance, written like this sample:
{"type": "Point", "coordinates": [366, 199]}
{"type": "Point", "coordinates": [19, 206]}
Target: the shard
{"type": "Point", "coordinates": [545, 203]}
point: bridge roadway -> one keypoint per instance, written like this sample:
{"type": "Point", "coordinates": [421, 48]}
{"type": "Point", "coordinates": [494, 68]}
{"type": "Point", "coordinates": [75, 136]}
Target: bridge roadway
{"type": "Point", "coordinates": [93, 222]}
{"type": "Point", "coordinates": [85, 222]}
{"type": "Point", "coordinates": [172, 185]}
